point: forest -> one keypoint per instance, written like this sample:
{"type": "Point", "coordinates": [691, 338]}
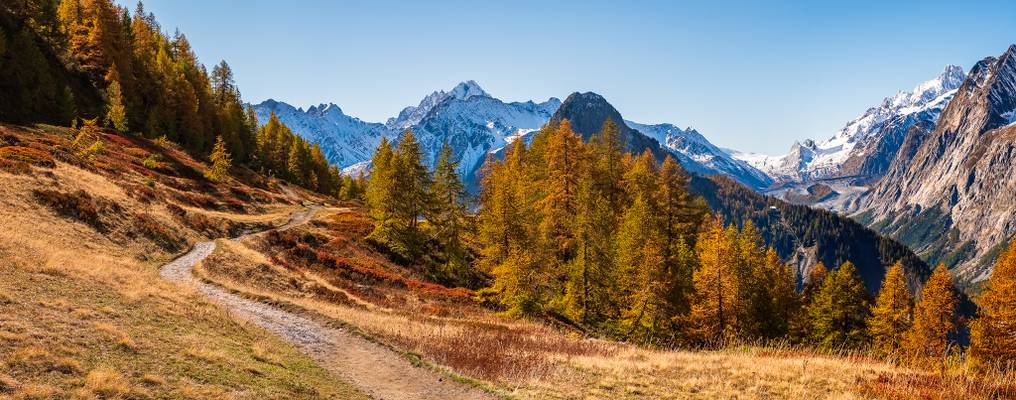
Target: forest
{"type": "Point", "coordinates": [615, 244]}
{"type": "Point", "coordinates": [63, 62]}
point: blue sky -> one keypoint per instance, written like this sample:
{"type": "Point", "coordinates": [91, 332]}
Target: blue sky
{"type": "Point", "coordinates": [748, 75]}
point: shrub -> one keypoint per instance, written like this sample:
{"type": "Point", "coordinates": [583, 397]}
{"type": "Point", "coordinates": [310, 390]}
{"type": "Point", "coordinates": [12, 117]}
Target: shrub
{"type": "Point", "coordinates": [158, 232]}
{"type": "Point", "coordinates": [152, 162]}
{"type": "Point", "coordinates": [27, 155]}
{"type": "Point", "coordinates": [79, 205]}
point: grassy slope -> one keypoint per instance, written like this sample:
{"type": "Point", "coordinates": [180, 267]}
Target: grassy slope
{"type": "Point", "coordinates": [339, 277]}
{"type": "Point", "coordinates": [83, 311]}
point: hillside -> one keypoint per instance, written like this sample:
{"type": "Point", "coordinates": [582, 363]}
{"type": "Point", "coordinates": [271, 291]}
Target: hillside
{"type": "Point", "coordinates": [85, 312]}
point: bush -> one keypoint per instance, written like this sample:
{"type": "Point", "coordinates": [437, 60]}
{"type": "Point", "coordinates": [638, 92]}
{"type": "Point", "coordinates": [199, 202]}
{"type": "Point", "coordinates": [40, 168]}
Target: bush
{"type": "Point", "coordinates": [27, 155]}
{"type": "Point", "coordinates": [79, 205]}
{"type": "Point", "coordinates": [152, 162]}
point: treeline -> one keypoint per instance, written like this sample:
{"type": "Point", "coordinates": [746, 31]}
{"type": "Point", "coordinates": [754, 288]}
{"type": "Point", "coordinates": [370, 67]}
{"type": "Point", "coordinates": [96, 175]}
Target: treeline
{"type": "Point", "coordinates": [786, 226]}
{"type": "Point", "coordinates": [66, 60]}
{"type": "Point", "coordinates": [616, 244]}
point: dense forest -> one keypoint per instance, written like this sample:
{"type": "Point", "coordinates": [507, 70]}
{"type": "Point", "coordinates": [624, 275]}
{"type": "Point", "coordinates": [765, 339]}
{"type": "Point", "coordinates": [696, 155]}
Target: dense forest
{"type": "Point", "coordinates": [64, 61]}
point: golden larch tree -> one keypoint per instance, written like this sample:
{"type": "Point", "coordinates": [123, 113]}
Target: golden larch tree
{"type": "Point", "coordinates": [934, 324]}
{"type": "Point", "coordinates": [892, 313]}
{"type": "Point", "coordinates": [992, 342]}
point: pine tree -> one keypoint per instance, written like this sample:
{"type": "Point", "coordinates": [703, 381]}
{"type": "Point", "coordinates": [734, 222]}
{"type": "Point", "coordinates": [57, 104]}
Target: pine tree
{"type": "Point", "coordinates": [992, 344]}
{"type": "Point", "coordinates": [839, 310]}
{"type": "Point", "coordinates": [931, 335]}
{"type": "Point", "coordinates": [67, 109]}
{"type": "Point", "coordinates": [892, 312]}
{"type": "Point", "coordinates": [221, 161]}
{"type": "Point", "coordinates": [715, 285]}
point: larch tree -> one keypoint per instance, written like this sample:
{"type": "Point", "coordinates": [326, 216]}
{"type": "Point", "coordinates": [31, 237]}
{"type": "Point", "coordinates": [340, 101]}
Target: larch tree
{"type": "Point", "coordinates": [221, 161]}
{"type": "Point", "coordinates": [992, 343]}
{"type": "Point", "coordinates": [715, 281]}
{"type": "Point", "coordinates": [640, 269]}
{"type": "Point", "coordinates": [382, 193]}
{"type": "Point", "coordinates": [932, 334]}
{"type": "Point", "coordinates": [840, 309]}
{"type": "Point", "coordinates": [563, 160]}
{"type": "Point", "coordinates": [607, 153]}
{"type": "Point", "coordinates": [591, 277]}
{"type": "Point", "coordinates": [412, 183]}
{"type": "Point", "coordinates": [892, 313]}
{"type": "Point", "coordinates": [446, 215]}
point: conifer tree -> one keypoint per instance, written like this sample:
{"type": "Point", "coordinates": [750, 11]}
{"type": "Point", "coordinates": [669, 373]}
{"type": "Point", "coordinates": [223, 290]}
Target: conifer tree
{"type": "Point", "coordinates": [591, 276]}
{"type": "Point", "coordinates": [447, 213]}
{"type": "Point", "coordinates": [382, 193]}
{"type": "Point", "coordinates": [116, 111]}
{"type": "Point", "coordinates": [892, 312]}
{"type": "Point", "coordinates": [839, 310]}
{"type": "Point", "coordinates": [607, 152]}
{"type": "Point", "coordinates": [640, 268]}
{"type": "Point", "coordinates": [506, 236]}
{"type": "Point", "coordinates": [992, 344]}
{"type": "Point", "coordinates": [715, 285]}
{"type": "Point", "coordinates": [412, 184]}
{"type": "Point", "coordinates": [562, 158]}
{"type": "Point", "coordinates": [931, 335]}
{"type": "Point", "coordinates": [221, 161]}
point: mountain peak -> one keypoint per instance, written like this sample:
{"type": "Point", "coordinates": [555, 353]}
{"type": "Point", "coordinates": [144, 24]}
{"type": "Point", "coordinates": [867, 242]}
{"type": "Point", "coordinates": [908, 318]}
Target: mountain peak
{"type": "Point", "coordinates": [467, 89]}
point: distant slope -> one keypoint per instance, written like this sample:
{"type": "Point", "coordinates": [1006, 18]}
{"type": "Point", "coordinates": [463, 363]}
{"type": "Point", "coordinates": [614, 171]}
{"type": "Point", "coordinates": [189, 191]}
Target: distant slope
{"type": "Point", "coordinates": [951, 196]}
{"type": "Point", "coordinates": [833, 238]}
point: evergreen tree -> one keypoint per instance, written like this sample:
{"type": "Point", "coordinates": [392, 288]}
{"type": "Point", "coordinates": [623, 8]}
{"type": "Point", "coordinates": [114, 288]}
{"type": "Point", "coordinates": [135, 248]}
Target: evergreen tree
{"type": "Point", "coordinates": [992, 344]}
{"type": "Point", "coordinates": [931, 335]}
{"type": "Point", "coordinates": [839, 310]}
{"type": "Point", "coordinates": [221, 161]}
{"type": "Point", "coordinates": [892, 313]}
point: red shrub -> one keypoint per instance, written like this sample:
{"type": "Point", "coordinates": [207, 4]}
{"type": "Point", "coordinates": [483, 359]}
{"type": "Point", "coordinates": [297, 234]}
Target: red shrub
{"type": "Point", "coordinates": [27, 155]}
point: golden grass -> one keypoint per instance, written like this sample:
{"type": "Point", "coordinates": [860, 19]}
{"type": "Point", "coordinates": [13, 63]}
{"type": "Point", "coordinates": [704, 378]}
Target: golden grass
{"type": "Point", "coordinates": [86, 315]}
{"type": "Point", "coordinates": [531, 360]}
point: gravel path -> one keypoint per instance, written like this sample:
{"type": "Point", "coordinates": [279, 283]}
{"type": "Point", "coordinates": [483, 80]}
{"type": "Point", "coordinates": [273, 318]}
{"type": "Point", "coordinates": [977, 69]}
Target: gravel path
{"type": "Point", "coordinates": [375, 370]}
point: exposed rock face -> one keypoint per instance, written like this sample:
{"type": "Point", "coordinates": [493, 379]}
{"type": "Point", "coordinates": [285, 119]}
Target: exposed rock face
{"type": "Point", "coordinates": [950, 193]}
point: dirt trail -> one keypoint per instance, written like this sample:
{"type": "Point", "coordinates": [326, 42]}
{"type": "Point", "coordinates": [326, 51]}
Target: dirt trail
{"type": "Point", "coordinates": [377, 371]}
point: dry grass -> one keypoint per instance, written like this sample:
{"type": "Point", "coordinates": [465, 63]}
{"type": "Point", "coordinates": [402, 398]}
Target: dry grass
{"type": "Point", "coordinates": [533, 360]}
{"type": "Point", "coordinates": [84, 312]}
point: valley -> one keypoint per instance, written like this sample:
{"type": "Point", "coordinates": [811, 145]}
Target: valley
{"type": "Point", "coordinates": [164, 237]}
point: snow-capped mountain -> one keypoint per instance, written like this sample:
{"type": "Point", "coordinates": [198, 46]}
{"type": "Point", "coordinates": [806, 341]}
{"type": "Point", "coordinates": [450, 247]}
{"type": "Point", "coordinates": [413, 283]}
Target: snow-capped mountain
{"type": "Point", "coordinates": [345, 140]}
{"type": "Point", "coordinates": [467, 117]}
{"type": "Point", "coordinates": [949, 193]}
{"type": "Point", "coordinates": [696, 147]}
{"type": "Point", "coordinates": [475, 124]}
{"type": "Point", "coordinates": [860, 138]}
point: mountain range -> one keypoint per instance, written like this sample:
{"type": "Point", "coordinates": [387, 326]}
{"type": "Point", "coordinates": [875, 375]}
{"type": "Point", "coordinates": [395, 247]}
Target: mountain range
{"type": "Point", "coordinates": [474, 123]}
{"type": "Point", "coordinates": [925, 166]}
